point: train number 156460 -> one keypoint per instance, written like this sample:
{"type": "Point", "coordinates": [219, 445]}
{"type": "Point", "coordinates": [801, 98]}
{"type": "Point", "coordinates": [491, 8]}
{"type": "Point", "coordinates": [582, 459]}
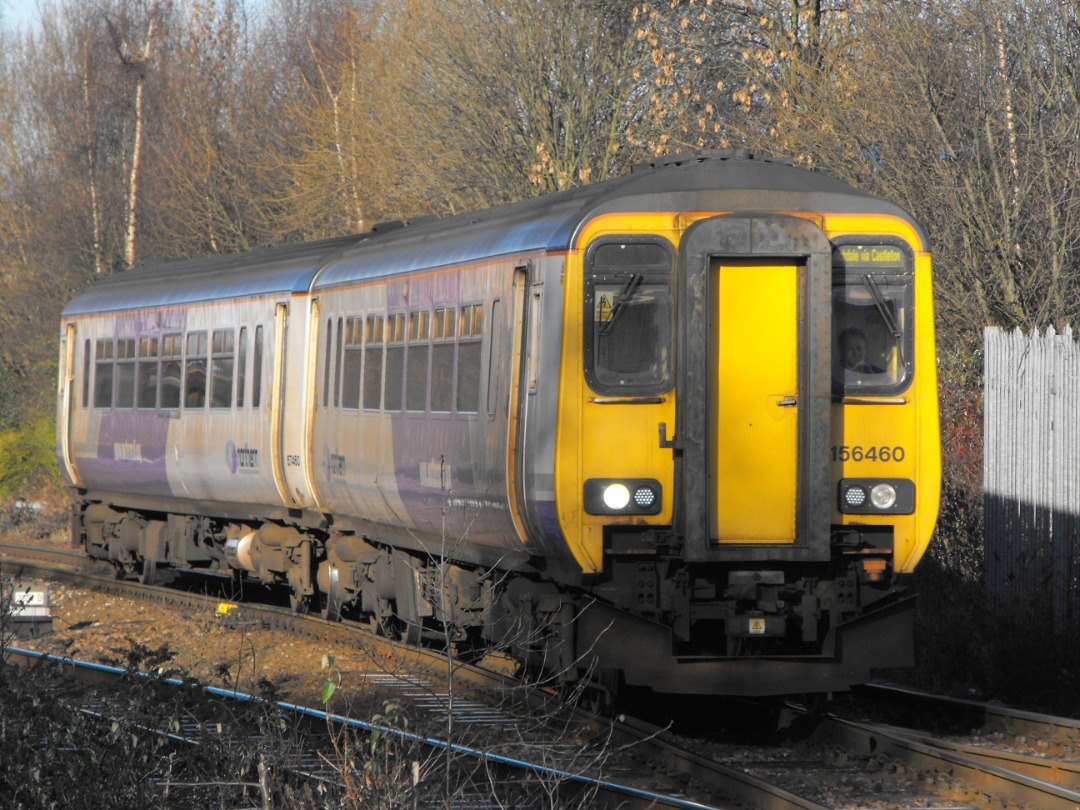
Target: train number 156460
{"type": "Point", "coordinates": [857, 452]}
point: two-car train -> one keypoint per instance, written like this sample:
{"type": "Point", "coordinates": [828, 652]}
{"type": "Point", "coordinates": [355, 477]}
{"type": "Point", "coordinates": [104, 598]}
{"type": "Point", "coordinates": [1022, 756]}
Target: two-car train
{"type": "Point", "coordinates": [678, 428]}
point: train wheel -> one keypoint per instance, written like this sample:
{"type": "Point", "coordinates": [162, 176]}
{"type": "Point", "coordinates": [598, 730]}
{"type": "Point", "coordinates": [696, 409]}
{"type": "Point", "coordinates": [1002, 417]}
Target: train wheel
{"type": "Point", "coordinates": [330, 605]}
{"type": "Point", "coordinates": [412, 632]}
{"type": "Point", "coordinates": [149, 572]}
{"type": "Point", "coordinates": [601, 695]}
{"type": "Point", "coordinates": [472, 648]}
{"type": "Point", "coordinates": [299, 604]}
{"type": "Point", "coordinates": [381, 621]}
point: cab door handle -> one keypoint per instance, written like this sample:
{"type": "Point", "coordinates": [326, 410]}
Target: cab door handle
{"type": "Point", "coordinates": [789, 402]}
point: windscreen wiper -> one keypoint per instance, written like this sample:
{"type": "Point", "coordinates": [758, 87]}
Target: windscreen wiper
{"type": "Point", "coordinates": [887, 315]}
{"type": "Point", "coordinates": [624, 293]}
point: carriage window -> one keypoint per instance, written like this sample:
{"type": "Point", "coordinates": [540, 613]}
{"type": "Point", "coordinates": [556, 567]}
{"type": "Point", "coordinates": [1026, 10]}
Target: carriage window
{"type": "Point", "coordinates": [469, 357]}
{"type": "Point", "coordinates": [241, 367]}
{"type": "Point", "coordinates": [195, 371]}
{"type": "Point", "coordinates": [353, 339]}
{"type": "Point", "coordinates": [103, 373]}
{"type": "Point", "coordinates": [442, 360]}
{"type": "Point", "coordinates": [327, 364]}
{"type": "Point", "coordinates": [337, 362]}
{"type": "Point", "coordinates": [872, 318]}
{"type": "Point", "coordinates": [373, 362]}
{"type": "Point", "coordinates": [395, 361]}
{"type": "Point", "coordinates": [222, 360]}
{"type": "Point", "coordinates": [628, 317]}
{"type": "Point", "coordinates": [416, 384]}
{"type": "Point", "coordinates": [125, 373]}
{"type": "Point", "coordinates": [86, 375]}
{"type": "Point", "coordinates": [171, 364]}
{"type": "Point", "coordinates": [257, 368]}
{"type": "Point", "coordinates": [147, 372]}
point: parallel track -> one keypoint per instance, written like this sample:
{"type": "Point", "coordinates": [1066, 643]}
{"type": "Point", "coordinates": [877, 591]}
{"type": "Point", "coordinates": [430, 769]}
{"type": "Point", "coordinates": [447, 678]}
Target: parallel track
{"type": "Point", "coordinates": [972, 775]}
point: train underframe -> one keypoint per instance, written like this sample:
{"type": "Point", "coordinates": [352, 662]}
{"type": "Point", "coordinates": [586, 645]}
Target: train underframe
{"type": "Point", "coordinates": [651, 620]}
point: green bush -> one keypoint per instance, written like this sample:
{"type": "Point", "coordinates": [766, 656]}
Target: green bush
{"type": "Point", "coordinates": [28, 457]}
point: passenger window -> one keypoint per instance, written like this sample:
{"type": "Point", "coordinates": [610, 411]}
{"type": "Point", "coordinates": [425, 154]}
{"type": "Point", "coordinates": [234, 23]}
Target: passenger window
{"type": "Point", "coordinates": [241, 367]}
{"type": "Point", "coordinates": [195, 371]}
{"type": "Point", "coordinates": [628, 317]}
{"type": "Point", "coordinates": [147, 372]}
{"type": "Point", "coordinates": [257, 368]}
{"type": "Point", "coordinates": [103, 373]}
{"type": "Point", "coordinates": [416, 384]}
{"type": "Point", "coordinates": [395, 361]}
{"type": "Point", "coordinates": [469, 358]}
{"type": "Point", "coordinates": [444, 325]}
{"type": "Point", "coordinates": [222, 360]}
{"type": "Point", "coordinates": [86, 375]}
{"type": "Point", "coordinates": [354, 357]}
{"type": "Point", "coordinates": [171, 365]}
{"type": "Point", "coordinates": [327, 365]}
{"type": "Point", "coordinates": [125, 373]}
{"type": "Point", "coordinates": [871, 322]}
{"type": "Point", "coordinates": [495, 348]}
{"type": "Point", "coordinates": [337, 363]}
{"type": "Point", "coordinates": [373, 362]}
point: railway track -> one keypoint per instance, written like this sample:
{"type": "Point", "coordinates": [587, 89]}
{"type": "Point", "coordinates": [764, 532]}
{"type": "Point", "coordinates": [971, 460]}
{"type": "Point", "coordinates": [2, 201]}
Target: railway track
{"type": "Point", "coordinates": [629, 762]}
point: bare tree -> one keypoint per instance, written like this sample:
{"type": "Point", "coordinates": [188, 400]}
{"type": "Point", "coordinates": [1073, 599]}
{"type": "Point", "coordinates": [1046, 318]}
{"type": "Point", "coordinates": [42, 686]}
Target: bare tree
{"type": "Point", "coordinates": [134, 60]}
{"type": "Point", "coordinates": [521, 96]}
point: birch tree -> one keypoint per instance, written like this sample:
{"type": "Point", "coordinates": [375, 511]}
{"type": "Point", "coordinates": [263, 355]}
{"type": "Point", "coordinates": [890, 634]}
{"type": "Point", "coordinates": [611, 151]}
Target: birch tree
{"type": "Point", "coordinates": [134, 60]}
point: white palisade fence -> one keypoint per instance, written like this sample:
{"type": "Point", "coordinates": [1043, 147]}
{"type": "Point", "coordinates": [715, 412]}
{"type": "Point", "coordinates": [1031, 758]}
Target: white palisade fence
{"type": "Point", "coordinates": [1031, 475]}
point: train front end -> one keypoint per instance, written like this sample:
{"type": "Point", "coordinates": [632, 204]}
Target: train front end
{"type": "Point", "coordinates": [747, 458]}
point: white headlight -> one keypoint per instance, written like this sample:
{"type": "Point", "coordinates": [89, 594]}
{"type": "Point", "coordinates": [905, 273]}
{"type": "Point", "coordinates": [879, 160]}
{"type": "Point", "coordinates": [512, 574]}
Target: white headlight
{"type": "Point", "coordinates": [883, 496]}
{"type": "Point", "coordinates": [616, 496]}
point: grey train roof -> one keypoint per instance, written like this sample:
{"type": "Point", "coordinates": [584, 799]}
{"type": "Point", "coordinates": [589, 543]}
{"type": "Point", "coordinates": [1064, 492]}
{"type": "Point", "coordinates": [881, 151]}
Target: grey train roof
{"type": "Point", "coordinates": [708, 182]}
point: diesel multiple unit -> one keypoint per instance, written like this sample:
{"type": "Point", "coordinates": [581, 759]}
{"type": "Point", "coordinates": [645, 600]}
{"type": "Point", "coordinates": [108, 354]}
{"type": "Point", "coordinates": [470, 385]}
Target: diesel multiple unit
{"type": "Point", "coordinates": [677, 429]}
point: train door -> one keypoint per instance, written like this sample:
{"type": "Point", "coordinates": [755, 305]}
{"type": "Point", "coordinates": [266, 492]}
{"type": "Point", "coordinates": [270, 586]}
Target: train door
{"type": "Point", "coordinates": [754, 404]}
{"type": "Point", "coordinates": [519, 399]}
{"type": "Point", "coordinates": [278, 401]}
{"type": "Point", "coordinates": [67, 403]}
{"type": "Point", "coordinates": [754, 392]}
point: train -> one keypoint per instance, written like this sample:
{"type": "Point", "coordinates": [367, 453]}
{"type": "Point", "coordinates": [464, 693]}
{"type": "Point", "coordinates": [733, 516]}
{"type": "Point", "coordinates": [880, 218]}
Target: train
{"type": "Point", "coordinates": [676, 429]}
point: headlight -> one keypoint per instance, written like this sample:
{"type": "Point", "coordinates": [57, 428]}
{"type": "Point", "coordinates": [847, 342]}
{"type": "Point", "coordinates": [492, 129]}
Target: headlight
{"type": "Point", "coordinates": [622, 496]}
{"type": "Point", "coordinates": [870, 496]}
{"type": "Point", "coordinates": [883, 496]}
{"type": "Point", "coordinates": [616, 496]}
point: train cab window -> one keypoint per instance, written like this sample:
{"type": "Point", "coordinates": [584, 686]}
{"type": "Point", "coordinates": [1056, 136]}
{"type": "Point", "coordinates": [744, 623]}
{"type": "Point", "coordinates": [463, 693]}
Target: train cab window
{"type": "Point", "coordinates": [872, 345]}
{"type": "Point", "coordinates": [147, 373]}
{"type": "Point", "coordinates": [373, 362]}
{"type": "Point", "coordinates": [256, 368]}
{"type": "Point", "coordinates": [103, 374]}
{"type": "Point", "coordinates": [195, 370]}
{"type": "Point", "coordinates": [222, 363]}
{"type": "Point", "coordinates": [171, 365]}
{"type": "Point", "coordinates": [628, 316]}
{"type": "Point", "coordinates": [418, 359]}
{"type": "Point", "coordinates": [470, 358]}
{"type": "Point", "coordinates": [444, 332]}
{"type": "Point", "coordinates": [125, 373]}
{"type": "Point", "coordinates": [354, 357]}
{"type": "Point", "coordinates": [395, 361]}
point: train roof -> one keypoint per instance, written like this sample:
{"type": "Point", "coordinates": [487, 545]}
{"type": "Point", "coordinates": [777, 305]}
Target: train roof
{"type": "Point", "coordinates": [706, 182]}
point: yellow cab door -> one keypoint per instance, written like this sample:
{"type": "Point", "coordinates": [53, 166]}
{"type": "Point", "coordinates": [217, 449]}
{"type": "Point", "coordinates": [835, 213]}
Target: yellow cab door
{"type": "Point", "coordinates": [753, 446]}
{"type": "Point", "coordinates": [754, 388]}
